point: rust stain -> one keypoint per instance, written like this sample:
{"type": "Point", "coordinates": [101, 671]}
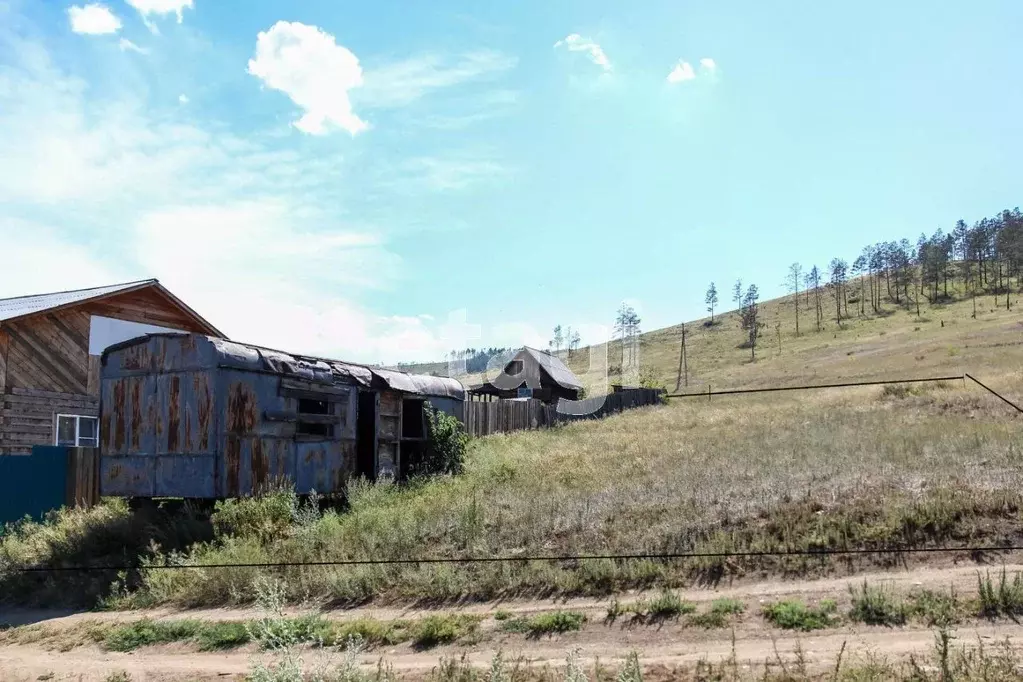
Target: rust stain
{"type": "Point", "coordinates": [204, 405]}
{"type": "Point", "coordinates": [118, 415]}
{"type": "Point", "coordinates": [241, 408]}
{"type": "Point", "coordinates": [260, 466]}
{"type": "Point", "coordinates": [233, 456]}
{"type": "Point", "coordinates": [174, 415]}
{"type": "Point", "coordinates": [136, 413]}
{"type": "Point", "coordinates": [104, 434]}
{"type": "Point", "coordinates": [188, 429]}
{"type": "Point", "coordinates": [188, 342]}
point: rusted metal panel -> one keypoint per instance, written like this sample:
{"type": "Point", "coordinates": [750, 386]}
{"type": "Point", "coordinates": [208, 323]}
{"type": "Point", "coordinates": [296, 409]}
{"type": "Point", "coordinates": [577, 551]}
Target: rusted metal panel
{"type": "Point", "coordinates": [194, 416]}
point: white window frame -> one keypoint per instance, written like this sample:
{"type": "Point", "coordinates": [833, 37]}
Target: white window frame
{"type": "Point", "coordinates": [78, 429]}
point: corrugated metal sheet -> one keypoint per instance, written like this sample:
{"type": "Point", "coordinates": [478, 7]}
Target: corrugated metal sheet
{"type": "Point", "coordinates": [29, 305]}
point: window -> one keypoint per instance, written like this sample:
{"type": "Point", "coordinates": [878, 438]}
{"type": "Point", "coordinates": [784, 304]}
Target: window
{"type": "Point", "coordinates": [319, 425]}
{"type": "Point", "coordinates": [514, 368]}
{"type": "Point", "coordinates": [76, 431]}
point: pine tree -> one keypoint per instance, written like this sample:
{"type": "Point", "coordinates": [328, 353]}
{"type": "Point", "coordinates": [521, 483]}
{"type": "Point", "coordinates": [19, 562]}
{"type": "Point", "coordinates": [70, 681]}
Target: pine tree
{"type": "Point", "coordinates": [711, 299]}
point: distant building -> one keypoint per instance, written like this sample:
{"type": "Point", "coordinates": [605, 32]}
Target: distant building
{"type": "Point", "coordinates": [50, 347]}
{"type": "Point", "coordinates": [535, 374]}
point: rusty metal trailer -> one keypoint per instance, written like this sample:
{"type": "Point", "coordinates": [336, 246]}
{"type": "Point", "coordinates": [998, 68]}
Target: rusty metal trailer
{"type": "Point", "coordinates": [192, 416]}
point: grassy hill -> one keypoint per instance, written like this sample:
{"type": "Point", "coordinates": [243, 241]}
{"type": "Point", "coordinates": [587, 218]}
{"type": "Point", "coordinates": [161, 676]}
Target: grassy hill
{"type": "Point", "coordinates": [896, 342]}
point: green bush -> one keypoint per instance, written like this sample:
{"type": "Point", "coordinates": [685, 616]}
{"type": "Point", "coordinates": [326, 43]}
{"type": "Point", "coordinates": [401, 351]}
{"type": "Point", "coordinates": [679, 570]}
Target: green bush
{"type": "Point", "coordinates": [223, 635]}
{"type": "Point", "coordinates": [792, 614]}
{"type": "Point", "coordinates": [147, 632]}
{"type": "Point", "coordinates": [446, 442]}
{"type": "Point", "coordinates": [876, 606]}
{"type": "Point", "coordinates": [546, 623]}
{"type": "Point", "coordinates": [434, 630]}
{"type": "Point", "coordinates": [1002, 599]}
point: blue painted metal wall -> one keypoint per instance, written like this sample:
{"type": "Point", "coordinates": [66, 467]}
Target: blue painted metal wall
{"type": "Point", "coordinates": [32, 484]}
{"type": "Point", "coordinates": [188, 416]}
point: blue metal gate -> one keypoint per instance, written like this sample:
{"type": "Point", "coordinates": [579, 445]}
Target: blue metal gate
{"type": "Point", "coordinates": [31, 485]}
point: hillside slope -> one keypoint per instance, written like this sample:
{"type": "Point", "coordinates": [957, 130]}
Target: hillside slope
{"type": "Point", "coordinates": [894, 343]}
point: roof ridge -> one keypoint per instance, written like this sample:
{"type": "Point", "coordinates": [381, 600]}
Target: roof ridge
{"type": "Point", "coordinates": [151, 280]}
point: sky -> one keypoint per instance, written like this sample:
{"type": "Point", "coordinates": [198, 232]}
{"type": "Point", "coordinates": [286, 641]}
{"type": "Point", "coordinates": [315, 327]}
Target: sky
{"type": "Point", "coordinates": [385, 181]}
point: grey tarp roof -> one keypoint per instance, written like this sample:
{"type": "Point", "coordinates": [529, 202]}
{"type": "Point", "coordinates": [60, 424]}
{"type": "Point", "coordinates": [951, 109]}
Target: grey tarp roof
{"type": "Point", "coordinates": [561, 374]}
{"type": "Point", "coordinates": [257, 358]}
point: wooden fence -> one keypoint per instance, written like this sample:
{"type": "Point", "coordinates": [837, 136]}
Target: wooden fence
{"type": "Point", "coordinates": [505, 416]}
{"type": "Point", "coordinates": [82, 477]}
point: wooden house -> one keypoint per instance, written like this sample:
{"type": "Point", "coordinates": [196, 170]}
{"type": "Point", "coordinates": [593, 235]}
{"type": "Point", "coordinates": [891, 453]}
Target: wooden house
{"type": "Point", "coordinates": [50, 347]}
{"type": "Point", "coordinates": [532, 373]}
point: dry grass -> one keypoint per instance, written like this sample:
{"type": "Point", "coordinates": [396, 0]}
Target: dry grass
{"type": "Point", "coordinates": [843, 469]}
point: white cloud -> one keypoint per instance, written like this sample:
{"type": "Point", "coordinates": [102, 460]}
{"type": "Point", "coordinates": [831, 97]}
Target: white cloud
{"type": "Point", "coordinates": [308, 65]}
{"type": "Point", "coordinates": [682, 72]}
{"type": "Point", "coordinates": [441, 174]}
{"type": "Point", "coordinates": [127, 45]}
{"type": "Point", "coordinates": [183, 98]}
{"type": "Point", "coordinates": [161, 7]}
{"type": "Point", "coordinates": [576, 43]}
{"type": "Point", "coordinates": [708, 64]}
{"type": "Point", "coordinates": [93, 19]}
{"type": "Point", "coordinates": [400, 83]}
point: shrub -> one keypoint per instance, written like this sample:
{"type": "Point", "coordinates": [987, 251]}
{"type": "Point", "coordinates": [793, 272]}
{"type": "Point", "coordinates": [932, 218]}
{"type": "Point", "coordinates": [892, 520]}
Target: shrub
{"type": "Point", "coordinates": [1003, 599]}
{"type": "Point", "coordinates": [668, 605]}
{"type": "Point", "coordinates": [147, 632]}
{"type": "Point", "coordinates": [541, 624]}
{"type": "Point", "coordinates": [446, 442]}
{"type": "Point", "coordinates": [434, 630]}
{"type": "Point", "coordinates": [719, 614]}
{"type": "Point", "coordinates": [266, 517]}
{"type": "Point", "coordinates": [224, 635]}
{"type": "Point", "coordinates": [876, 606]}
{"type": "Point", "coordinates": [793, 614]}
{"type": "Point", "coordinates": [936, 609]}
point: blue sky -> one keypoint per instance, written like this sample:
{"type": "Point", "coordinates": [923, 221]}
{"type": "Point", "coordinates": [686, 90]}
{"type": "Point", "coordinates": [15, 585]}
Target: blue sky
{"type": "Point", "coordinates": [343, 178]}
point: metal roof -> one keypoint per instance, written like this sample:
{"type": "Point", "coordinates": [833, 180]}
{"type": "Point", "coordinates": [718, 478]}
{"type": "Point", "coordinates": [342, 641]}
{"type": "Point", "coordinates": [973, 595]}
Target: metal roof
{"type": "Point", "coordinates": [254, 358]}
{"type": "Point", "coordinates": [24, 306]}
{"type": "Point", "coordinates": [557, 370]}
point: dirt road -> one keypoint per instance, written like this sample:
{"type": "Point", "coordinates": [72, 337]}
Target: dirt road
{"type": "Point", "coordinates": [667, 645]}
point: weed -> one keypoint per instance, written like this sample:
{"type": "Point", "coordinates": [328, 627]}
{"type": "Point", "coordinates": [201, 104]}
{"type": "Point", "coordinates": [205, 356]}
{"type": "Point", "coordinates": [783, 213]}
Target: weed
{"type": "Point", "coordinates": [223, 635]}
{"type": "Point", "coordinates": [936, 608]}
{"type": "Point", "coordinates": [1003, 599]}
{"type": "Point", "coordinates": [502, 614]}
{"type": "Point", "coordinates": [541, 624]}
{"type": "Point", "coordinates": [373, 632]}
{"type": "Point", "coordinates": [631, 671]}
{"type": "Point", "coordinates": [876, 606]}
{"type": "Point", "coordinates": [442, 629]}
{"type": "Point", "coordinates": [719, 614]}
{"type": "Point", "coordinates": [668, 605]}
{"type": "Point", "coordinates": [119, 676]}
{"type": "Point", "coordinates": [147, 632]}
{"type": "Point", "coordinates": [793, 614]}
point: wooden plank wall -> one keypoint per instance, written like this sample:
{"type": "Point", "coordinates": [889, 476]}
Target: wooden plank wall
{"type": "Point", "coordinates": [28, 417]}
{"type": "Point", "coordinates": [504, 416]}
{"type": "Point", "coordinates": [82, 477]}
{"type": "Point", "coordinates": [46, 369]}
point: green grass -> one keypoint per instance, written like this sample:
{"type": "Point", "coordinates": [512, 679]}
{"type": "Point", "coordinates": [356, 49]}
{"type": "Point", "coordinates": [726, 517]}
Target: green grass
{"type": "Point", "coordinates": [555, 622]}
{"type": "Point", "coordinates": [793, 614]}
{"type": "Point", "coordinates": [443, 629]}
{"type": "Point", "coordinates": [720, 614]}
{"type": "Point", "coordinates": [876, 606]}
{"type": "Point", "coordinates": [147, 633]}
{"type": "Point", "coordinates": [222, 635]}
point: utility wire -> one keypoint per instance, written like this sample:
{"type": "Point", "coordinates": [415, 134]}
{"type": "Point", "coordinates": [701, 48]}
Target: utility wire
{"type": "Point", "coordinates": [661, 556]}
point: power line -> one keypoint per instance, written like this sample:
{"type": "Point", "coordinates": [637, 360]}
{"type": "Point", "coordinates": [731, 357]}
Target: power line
{"type": "Point", "coordinates": [659, 556]}
{"type": "Point", "coordinates": [805, 388]}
